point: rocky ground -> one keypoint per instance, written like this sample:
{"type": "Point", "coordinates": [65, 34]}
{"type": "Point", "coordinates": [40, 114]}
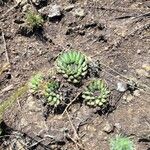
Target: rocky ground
{"type": "Point", "coordinates": [116, 33]}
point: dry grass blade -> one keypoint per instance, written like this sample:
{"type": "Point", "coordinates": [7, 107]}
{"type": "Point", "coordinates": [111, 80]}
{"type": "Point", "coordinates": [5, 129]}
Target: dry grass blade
{"type": "Point", "coordinates": [5, 48]}
{"type": "Point", "coordinates": [13, 7]}
{"type": "Point", "coordinates": [6, 89]}
{"type": "Point", "coordinates": [75, 132]}
{"type": "Point", "coordinates": [71, 103]}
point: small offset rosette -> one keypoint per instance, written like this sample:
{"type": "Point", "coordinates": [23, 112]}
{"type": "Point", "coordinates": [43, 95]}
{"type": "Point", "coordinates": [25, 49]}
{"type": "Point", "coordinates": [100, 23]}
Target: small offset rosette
{"type": "Point", "coordinates": [52, 95]}
{"type": "Point", "coordinates": [35, 83]}
{"type": "Point", "coordinates": [96, 93]}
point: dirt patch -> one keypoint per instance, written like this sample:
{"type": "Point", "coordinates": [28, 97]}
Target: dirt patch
{"type": "Point", "coordinates": [116, 34]}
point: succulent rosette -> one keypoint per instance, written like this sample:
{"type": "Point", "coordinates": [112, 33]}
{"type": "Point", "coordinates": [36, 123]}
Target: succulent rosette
{"type": "Point", "coordinates": [73, 65]}
{"type": "Point", "coordinates": [96, 93]}
{"type": "Point", "coordinates": [35, 82]}
{"type": "Point", "coordinates": [51, 93]}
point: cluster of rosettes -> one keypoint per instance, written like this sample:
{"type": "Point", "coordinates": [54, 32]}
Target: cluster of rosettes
{"type": "Point", "coordinates": [51, 93]}
{"type": "Point", "coordinates": [73, 66]}
{"type": "Point", "coordinates": [49, 89]}
{"type": "Point", "coordinates": [96, 93]}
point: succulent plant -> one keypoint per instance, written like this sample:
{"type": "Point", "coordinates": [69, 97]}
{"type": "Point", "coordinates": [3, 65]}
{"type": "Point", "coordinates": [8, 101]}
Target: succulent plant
{"type": "Point", "coordinates": [34, 83]}
{"type": "Point", "coordinates": [73, 65]}
{"type": "Point", "coordinates": [121, 143]}
{"type": "Point", "coordinates": [96, 93]}
{"type": "Point", "coordinates": [51, 93]}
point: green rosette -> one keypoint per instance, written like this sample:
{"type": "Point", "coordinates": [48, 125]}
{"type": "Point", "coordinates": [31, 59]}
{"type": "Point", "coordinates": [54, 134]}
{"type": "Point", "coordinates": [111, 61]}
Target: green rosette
{"type": "Point", "coordinates": [35, 82]}
{"type": "Point", "coordinates": [96, 93]}
{"type": "Point", "coordinates": [73, 65]}
{"type": "Point", "coordinates": [53, 98]}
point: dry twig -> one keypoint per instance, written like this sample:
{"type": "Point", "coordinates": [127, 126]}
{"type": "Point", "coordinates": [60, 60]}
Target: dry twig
{"type": "Point", "coordinates": [6, 89]}
{"type": "Point", "coordinates": [78, 94]}
{"type": "Point", "coordinates": [10, 10]}
{"type": "Point", "coordinates": [119, 9]}
{"type": "Point", "coordinates": [75, 132]}
{"type": "Point", "coordinates": [5, 48]}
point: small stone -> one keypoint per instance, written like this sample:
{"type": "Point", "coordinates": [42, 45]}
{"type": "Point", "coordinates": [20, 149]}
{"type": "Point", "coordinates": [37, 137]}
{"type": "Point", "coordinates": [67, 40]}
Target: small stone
{"type": "Point", "coordinates": [136, 93]}
{"type": "Point", "coordinates": [108, 128]}
{"type": "Point", "coordinates": [129, 98]}
{"type": "Point", "coordinates": [121, 87]}
{"type": "Point", "coordinates": [105, 138]}
{"type": "Point", "coordinates": [36, 2]}
{"type": "Point", "coordinates": [69, 7]}
{"type": "Point", "coordinates": [22, 2]}
{"type": "Point", "coordinates": [124, 96]}
{"type": "Point", "coordinates": [125, 71]}
{"type": "Point", "coordinates": [118, 126]}
{"type": "Point", "coordinates": [54, 11]}
{"type": "Point", "coordinates": [138, 51]}
{"type": "Point", "coordinates": [51, 11]}
{"type": "Point", "coordinates": [132, 84]}
{"type": "Point", "coordinates": [101, 26]}
{"type": "Point", "coordinates": [146, 67]}
{"type": "Point", "coordinates": [79, 12]}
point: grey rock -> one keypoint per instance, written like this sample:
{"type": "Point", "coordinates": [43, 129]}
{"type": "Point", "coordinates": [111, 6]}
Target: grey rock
{"type": "Point", "coordinates": [79, 12]}
{"type": "Point", "coordinates": [121, 87]}
{"type": "Point", "coordinates": [108, 127]}
{"type": "Point", "coordinates": [69, 7]}
{"type": "Point", "coordinates": [22, 2]}
{"type": "Point", "coordinates": [51, 11]}
{"type": "Point", "coordinates": [118, 126]}
{"type": "Point", "coordinates": [136, 93]}
{"type": "Point", "coordinates": [139, 51]}
{"type": "Point", "coordinates": [129, 98]}
{"type": "Point", "coordinates": [36, 2]}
